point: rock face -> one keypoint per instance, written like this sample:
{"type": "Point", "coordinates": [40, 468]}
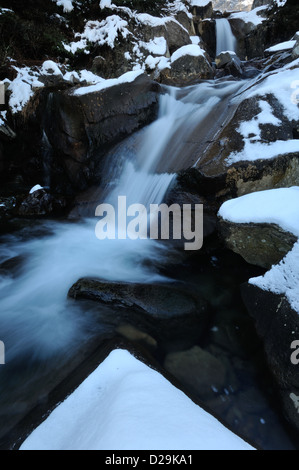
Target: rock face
{"type": "Point", "coordinates": [278, 325]}
{"type": "Point", "coordinates": [260, 244]}
{"type": "Point", "coordinates": [82, 128]}
{"type": "Point", "coordinates": [186, 70]}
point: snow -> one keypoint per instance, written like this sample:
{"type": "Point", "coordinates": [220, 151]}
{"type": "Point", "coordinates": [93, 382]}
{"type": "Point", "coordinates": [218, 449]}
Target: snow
{"type": "Point", "coordinates": [125, 405]}
{"type": "Point", "coordinates": [103, 32]}
{"type": "Point", "coordinates": [280, 207]}
{"type": "Point", "coordinates": [21, 88]}
{"type": "Point", "coordinates": [66, 4]}
{"type": "Point", "coordinates": [264, 151]}
{"type": "Point", "coordinates": [155, 21]}
{"type": "Point", "coordinates": [275, 206]}
{"type": "Point", "coordinates": [192, 50]}
{"type": "Point", "coordinates": [35, 188]}
{"type": "Point", "coordinates": [283, 46]}
{"type": "Point", "coordinates": [156, 46]}
{"type": "Point", "coordinates": [251, 16]}
{"type": "Point", "coordinates": [195, 40]}
{"type": "Point", "coordinates": [128, 77]}
{"type": "Point", "coordinates": [50, 68]}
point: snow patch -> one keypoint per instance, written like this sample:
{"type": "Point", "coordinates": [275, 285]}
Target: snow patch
{"type": "Point", "coordinates": [251, 16]}
{"type": "Point", "coordinates": [66, 4]}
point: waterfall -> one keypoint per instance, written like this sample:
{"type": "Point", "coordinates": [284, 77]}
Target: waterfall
{"type": "Point", "coordinates": [225, 39]}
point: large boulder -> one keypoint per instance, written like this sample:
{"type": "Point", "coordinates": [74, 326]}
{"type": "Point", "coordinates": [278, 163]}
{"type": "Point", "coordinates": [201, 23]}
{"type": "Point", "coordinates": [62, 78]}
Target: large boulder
{"type": "Point", "coordinates": [175, 34]}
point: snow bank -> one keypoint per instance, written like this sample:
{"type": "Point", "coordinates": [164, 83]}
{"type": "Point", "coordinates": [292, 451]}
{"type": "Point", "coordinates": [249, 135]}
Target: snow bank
{"type": "Point", "coordinates": [125, 405]}
{"type": "Point", "coordinates": [276, 206]}
{"type": "Point", "coordinates": [128, 77]}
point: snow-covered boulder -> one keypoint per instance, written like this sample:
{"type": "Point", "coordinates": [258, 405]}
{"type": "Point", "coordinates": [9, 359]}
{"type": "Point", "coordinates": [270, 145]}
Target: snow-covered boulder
{"type": "Point", "coordinates": [230, 62]}
{"type": "Point", "coordinates": [125, 405]}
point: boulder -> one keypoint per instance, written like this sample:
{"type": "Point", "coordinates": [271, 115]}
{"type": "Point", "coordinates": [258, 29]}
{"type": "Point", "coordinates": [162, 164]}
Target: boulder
{"type": "Point", "coordinates": [202, 12]}
{"type": "Point", "coordinates": [187, 69]}
{"type": "Point", "coordinates": [278, 326]}
{"type": "Point", "coordinates": [259, 244]}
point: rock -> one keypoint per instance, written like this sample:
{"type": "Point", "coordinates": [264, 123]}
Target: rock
{"type": "Point", "coordinates": [41, 203]}
{"type": "Point", "coordinates": [207, 31]}
{"type": "Point", "coordinates": [156, 300]}
{"type": "Point", "coordinates": [278, 326]}
{"type": "Point", "coordinates": [175, 34]}
{"type": "Point", "coordinates": [187, 69]}
{"type": "Point", "coordinates": [202, 12]}
{"type": "Point", "coordinates": [260, 244]}
{"type": "Point", "coordinates": [82, 128]}
{"type": "Point", "coordinates": [243, 177]}
{"type": "Point", "coordinates": [197, 369]}
{"type": "Point", "coordinates": [133, 334]}
{"type": "Point", "coordinates": [230, 62]}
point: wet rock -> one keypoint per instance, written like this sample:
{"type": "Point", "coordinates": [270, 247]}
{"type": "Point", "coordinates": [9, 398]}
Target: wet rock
{"type": "Point", "coordinates": [41, 203]}
{"type": "Point", "coordinates": [199, 370]}
{"type": "Point", "coordinates": [158, 300]}
{"type": "Point", "coordinates": [260, 244]}
{"type": "Point", "coordinates": [278, 326]}
{"type": "Point", "coordinates": [207, 31]}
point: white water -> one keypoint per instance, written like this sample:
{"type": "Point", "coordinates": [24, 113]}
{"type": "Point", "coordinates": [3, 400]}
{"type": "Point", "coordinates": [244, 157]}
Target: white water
{"type": "Point", "coordinates": [225, 39]}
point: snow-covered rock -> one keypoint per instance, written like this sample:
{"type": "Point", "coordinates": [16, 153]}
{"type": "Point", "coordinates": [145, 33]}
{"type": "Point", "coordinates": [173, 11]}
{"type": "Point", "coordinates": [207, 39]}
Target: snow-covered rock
{"type": "Point", "coordinates": [125, 405]}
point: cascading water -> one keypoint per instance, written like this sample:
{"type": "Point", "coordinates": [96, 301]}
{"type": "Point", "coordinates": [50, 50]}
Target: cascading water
{"type": "Point", "coordinates": [225, 39]}
{"type": "Point", "coordinates": [37, 322]}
